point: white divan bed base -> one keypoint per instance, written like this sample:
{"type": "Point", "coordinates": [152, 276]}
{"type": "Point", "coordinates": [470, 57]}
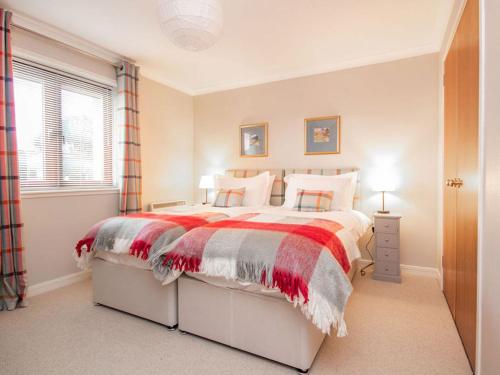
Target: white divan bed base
{"type": "Point", "coordinates": [135, 291]}
{"type": "Point", "coordinates": [263, 325]}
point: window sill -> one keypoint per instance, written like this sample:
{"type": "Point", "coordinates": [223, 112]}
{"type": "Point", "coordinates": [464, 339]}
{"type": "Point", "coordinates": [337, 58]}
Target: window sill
{"type": "Point", "coordinates": [67, 193]}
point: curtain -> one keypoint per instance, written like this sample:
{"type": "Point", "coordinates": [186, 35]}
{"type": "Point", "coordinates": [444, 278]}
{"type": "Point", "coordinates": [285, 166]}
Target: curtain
{"type": "Point", "coordinates": [13, 272]}
{"type": "Point", "coordinates": [129, 140]}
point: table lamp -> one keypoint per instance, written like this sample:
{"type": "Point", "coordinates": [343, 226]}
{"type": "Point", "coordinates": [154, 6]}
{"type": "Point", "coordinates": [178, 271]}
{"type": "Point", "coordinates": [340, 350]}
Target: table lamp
{"type": "Point", "coordinates": [206, 182]}
{"type": "Point", "coordinates": [384, 183]}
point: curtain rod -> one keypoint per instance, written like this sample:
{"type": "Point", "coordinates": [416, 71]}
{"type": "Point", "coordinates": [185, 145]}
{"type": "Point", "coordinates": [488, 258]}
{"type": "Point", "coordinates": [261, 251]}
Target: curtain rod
{"type": "Point", "coordinates": [116, 64]}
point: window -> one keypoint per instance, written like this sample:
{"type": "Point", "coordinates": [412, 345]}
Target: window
{"type": "Point", "coordinates": [64, 130]}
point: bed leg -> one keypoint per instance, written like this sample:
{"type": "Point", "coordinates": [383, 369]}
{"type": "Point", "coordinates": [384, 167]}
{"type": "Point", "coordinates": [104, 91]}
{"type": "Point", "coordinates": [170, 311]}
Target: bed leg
{"type": "Point", "coordinates": [172, 328]}
{"type": "Point", "coordinates": [300, 371]}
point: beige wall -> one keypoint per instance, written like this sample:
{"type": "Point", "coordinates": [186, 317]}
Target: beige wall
{"type": "Point", "coordinates": [388, 110]}
{"type": "Point", "coordinates": [53, 226]}
{"type": "Point", "coordinates": [166, 119]}
{"type": "Point", "coordinates": [488, 360]}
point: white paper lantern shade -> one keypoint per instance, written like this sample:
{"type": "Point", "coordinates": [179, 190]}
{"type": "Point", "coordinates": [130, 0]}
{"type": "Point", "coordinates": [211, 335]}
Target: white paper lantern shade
{"type": "Point", "coordinates": [193, 25]}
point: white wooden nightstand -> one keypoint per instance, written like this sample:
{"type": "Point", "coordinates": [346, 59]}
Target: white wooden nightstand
{"type": "Point", "coordinates": [387, 259]}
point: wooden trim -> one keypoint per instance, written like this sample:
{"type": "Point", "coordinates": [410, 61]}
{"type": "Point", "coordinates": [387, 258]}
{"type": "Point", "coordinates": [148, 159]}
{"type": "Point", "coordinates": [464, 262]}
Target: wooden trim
{"type": "Point", "coordinates": [338, 134]}
{"type": "Point", "coordinates": [452, 28]}
{"type": "Point", "coordinates": [460, 202]}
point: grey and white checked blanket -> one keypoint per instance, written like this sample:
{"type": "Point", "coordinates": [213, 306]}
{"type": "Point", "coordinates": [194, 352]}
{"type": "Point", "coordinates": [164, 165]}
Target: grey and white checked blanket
{"type": "Point", "coordinates": [304, 258]}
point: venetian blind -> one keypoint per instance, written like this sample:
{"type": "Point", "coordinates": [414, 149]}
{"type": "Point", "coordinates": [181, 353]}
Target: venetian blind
{"type": "Point", "coordinates": [64, 129]}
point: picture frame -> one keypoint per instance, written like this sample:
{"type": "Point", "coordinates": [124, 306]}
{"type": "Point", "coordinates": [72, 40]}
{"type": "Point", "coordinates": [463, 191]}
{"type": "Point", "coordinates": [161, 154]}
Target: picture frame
{"type": "Point", "coordinates": [253, 140]}
{"type": "Point", "coordinates": [322, 135]}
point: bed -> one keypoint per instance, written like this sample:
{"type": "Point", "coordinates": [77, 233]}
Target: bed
{"type": "Point", "coordinates": [251, 317]}
{"type": "Point", "coordinates": [126, 282]}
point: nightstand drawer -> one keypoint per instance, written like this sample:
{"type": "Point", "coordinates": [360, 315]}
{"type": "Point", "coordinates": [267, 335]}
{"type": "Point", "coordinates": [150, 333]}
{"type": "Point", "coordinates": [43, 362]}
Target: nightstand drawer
{"type": "Point", "coordinates": [387, 240]}
{"type": "Point", "coordinates": [387, 268]}
{"type": "Point", "coordinates": [386, 226]}
{"type": "Point", "coordinates": [387, 254]}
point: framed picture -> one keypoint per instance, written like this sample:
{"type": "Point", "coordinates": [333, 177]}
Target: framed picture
{"type": "Point", "coordinates": [253, 140]}
{"type": "Point", "coordinates": [322, 135]}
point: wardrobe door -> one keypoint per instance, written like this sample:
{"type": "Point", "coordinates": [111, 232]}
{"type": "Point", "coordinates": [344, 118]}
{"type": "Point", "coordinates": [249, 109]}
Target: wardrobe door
{"type": "Point", "coordinates": [468, 172]}
{"type": "Point", "coordinates": [450, 172]}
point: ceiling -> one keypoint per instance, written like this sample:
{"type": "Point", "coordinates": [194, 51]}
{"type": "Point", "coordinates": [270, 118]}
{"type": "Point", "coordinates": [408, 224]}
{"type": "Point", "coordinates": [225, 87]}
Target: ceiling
{"type": "Point", "coordinates": [262, 40]}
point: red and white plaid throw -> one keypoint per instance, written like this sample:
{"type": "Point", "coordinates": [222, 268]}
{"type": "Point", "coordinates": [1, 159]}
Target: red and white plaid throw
{"type": "Point", "coordinates": [138, 234]}
{"type": "Point", "coordinates": [304, 258]}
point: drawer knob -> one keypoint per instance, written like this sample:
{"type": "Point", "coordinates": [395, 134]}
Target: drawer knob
{"type": "Point", "coordinates": [386, 225]}
{"type": "Point", "coordinates": [386, 255]}
{"type": "Point", "coordinates": [386, 240]}
{"type": "Point", "coordinates": [387, 269]}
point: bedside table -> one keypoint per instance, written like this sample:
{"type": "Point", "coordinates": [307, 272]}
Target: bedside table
{"type": "Point", "coordinates": [387, 264]}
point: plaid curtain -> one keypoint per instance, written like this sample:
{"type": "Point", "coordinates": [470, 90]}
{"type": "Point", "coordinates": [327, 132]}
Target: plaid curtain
{"type": "Point", "coordinates": [129, 140]}
{"type": "Point", "coordinates": [13, 272]}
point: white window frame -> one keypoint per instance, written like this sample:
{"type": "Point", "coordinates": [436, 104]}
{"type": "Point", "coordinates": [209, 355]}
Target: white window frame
{"type": "Point", "coordinates": [52, 191]}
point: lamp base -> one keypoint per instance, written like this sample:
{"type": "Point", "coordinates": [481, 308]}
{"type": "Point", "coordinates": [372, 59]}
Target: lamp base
{"type": "Point", "coordinates": [383, 212]}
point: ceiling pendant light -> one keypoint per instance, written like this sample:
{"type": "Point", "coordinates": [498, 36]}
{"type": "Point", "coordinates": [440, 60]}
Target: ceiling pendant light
{"type": "Point", "coordinates": [193, 25]}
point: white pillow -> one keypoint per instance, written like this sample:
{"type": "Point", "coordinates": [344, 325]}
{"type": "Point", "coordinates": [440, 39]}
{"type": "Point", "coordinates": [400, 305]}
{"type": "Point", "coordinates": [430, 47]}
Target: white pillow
{"type": "Point", "coordinates": [270, 183]}
{"type": "Point", "coordinates": [353, 176]}
{"type": "Point", "coordinates": [255, 187]}
{"type": "Point", "coordinates": [342, 185]}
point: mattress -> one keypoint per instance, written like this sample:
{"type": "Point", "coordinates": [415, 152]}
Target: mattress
{"type": "Point", "coordinates": [123, 259]}
{"type": "Point", "coordinates": [234, 284]}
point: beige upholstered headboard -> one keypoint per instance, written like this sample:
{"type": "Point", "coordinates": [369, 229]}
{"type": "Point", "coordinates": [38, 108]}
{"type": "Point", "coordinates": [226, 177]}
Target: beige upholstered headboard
{"type": "Point", "coordinates": [278, 192]}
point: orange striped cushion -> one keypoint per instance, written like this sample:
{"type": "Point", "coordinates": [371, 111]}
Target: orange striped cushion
{"type": "Point", "coordinates": [229, 197]}
{"type": "Point", "coordinates": [313, 200]}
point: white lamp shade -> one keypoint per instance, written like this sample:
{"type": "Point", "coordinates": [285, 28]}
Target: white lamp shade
{"type": "Point", "coordinates": [193, 25]}
{"type": "Point", "coordinates": [206, 182]}
{"type": "Point", "coordinates": [383, 181]}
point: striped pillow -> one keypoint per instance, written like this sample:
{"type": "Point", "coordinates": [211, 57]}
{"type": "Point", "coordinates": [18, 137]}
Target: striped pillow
{"type": "Point", "coordinates": [313, 200]}
{"type": "Point", "coordinates": [229, 197]}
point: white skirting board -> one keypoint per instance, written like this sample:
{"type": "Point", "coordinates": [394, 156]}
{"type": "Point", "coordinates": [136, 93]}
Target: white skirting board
{"type": "Point", "coordinates": [411, 270]}
{"type": "Point", "coordinates": [60, 282]}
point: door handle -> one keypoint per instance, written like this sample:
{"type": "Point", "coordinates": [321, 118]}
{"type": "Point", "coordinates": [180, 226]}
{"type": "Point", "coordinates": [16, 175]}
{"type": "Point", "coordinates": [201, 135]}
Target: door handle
{"type": "Point", "coordinates": [454, 182]}
{"type": "Point", "coordinates": [458, 182]}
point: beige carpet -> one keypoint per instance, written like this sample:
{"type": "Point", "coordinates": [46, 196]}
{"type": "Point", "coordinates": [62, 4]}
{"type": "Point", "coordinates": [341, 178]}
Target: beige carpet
{"type": "Point", "coordinates": [393, 329]}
